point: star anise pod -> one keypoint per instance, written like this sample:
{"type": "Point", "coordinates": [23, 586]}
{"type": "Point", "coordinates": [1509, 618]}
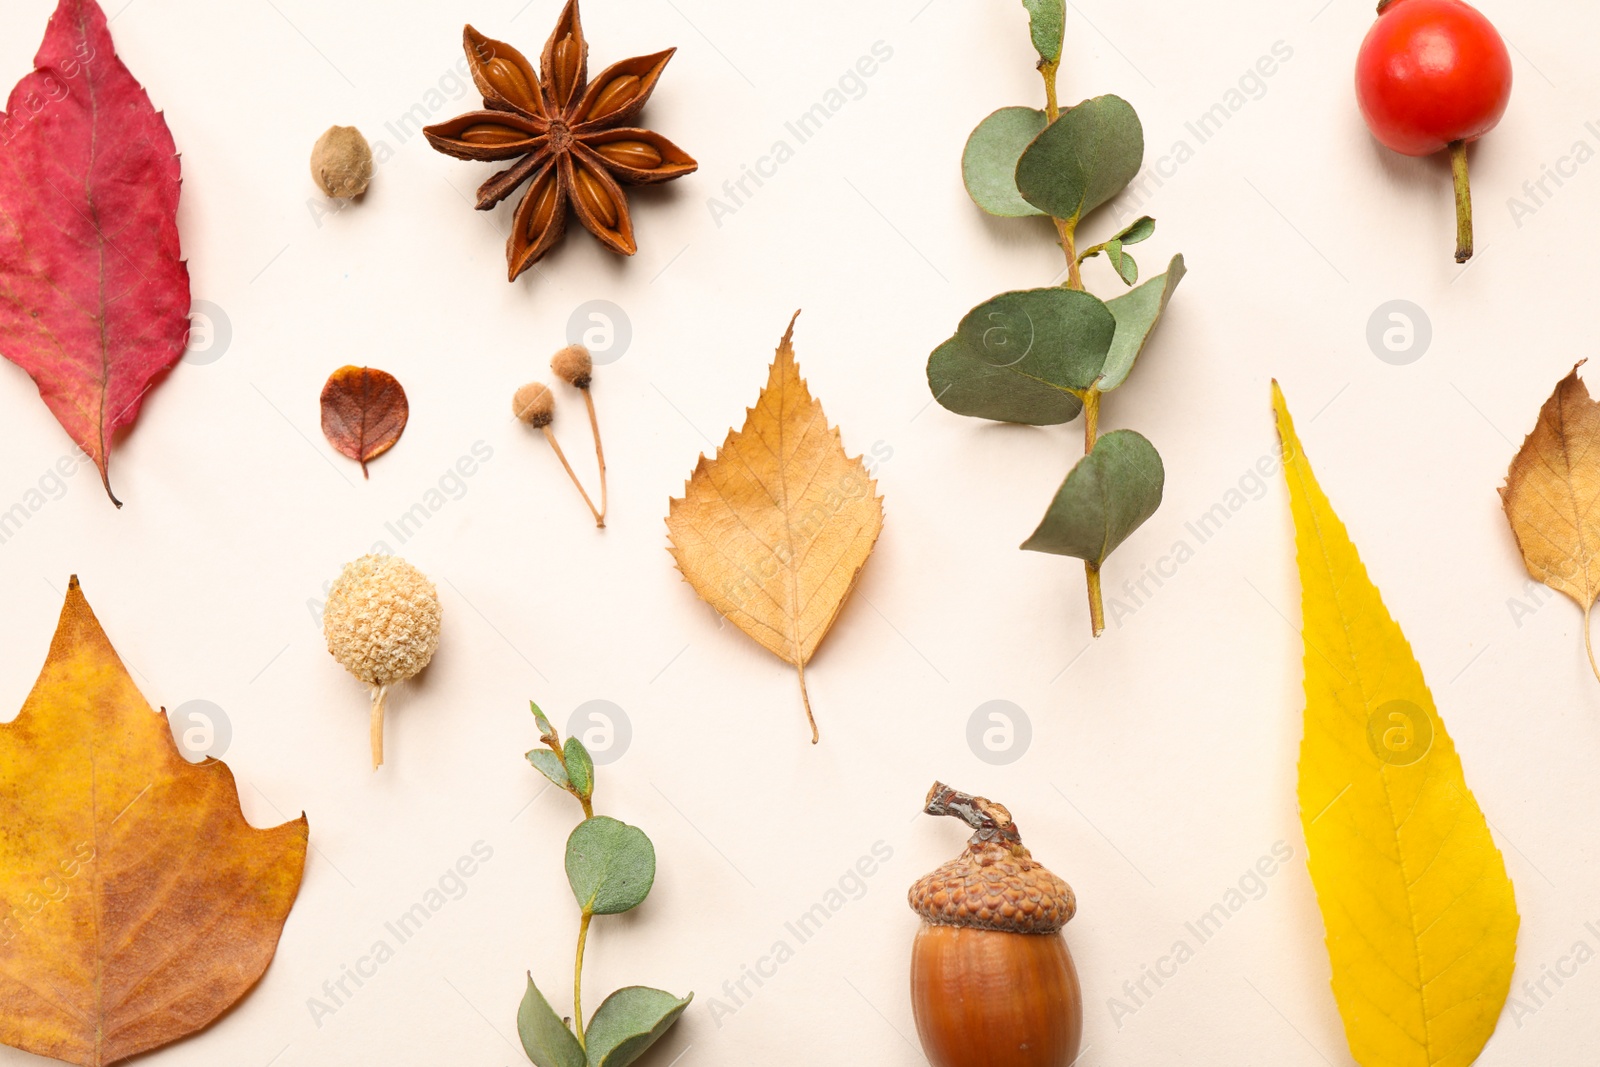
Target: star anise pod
{"type": "Point", "coordinates": [569, 136]}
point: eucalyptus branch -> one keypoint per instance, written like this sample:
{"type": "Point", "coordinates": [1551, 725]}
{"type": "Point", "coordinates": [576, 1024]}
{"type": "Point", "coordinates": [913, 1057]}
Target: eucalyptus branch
{"type": "Point", "coordinates": [1063, 164]}
{"type": "Point", "coordinates": [610, 867]}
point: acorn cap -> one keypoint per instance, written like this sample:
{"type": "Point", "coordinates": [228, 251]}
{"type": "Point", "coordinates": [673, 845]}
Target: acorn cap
{"type": "Point", "coordinates": [995, 884]}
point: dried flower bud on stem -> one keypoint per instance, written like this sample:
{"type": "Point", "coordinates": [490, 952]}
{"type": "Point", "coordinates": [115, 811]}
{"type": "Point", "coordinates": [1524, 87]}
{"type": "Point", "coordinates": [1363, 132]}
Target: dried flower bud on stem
{"type": "Point", "coordinates": [575, 365]}
{"type": "Point", "coordinates": [382, 625]}
{"type": "Point", "coordinates": [535, 405]}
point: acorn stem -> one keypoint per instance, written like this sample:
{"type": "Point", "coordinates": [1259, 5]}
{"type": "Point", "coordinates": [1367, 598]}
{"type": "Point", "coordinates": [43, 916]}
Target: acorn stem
{"type": "Point", "coordinates": [991, 820]}
{"type": "Point", "coordinates": [599, 520]}
{"type": "Point", "coordinates": [599, 452]}
{"type": "Point", "coordinates": [378, 695]}
{"type": "Point", "coordinates": [1463, 184]}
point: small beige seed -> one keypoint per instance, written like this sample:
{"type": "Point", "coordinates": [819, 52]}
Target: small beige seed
{"type": "Point", "coordinates": [573, 364]}
{"type": "Point", "coordinates": [341, 162]}
{"type": "Point", "coordinates": [534, 404]}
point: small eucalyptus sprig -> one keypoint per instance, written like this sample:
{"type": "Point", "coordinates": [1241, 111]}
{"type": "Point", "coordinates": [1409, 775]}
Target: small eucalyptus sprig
{"type": "Point", "coordinates": [1042, 357]}
{"type": "Point", "coordinates": [611, 867]}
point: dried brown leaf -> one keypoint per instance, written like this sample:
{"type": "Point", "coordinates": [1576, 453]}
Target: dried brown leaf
{"type": "Point", "coordinates": [364, 412]}
{"type": "Point", "coordinates": [774, 530]}
{"type": "Point", "coordinates": [1552, 497]}
{"type": "Point", "coordinates": [136, 903]}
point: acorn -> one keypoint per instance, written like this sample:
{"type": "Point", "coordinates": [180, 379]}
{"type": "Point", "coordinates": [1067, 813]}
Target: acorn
{"type": "Point", "coordinates": [992, 981]}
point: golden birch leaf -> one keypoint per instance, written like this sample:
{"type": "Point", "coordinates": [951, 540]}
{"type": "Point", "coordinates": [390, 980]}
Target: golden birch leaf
{"type": "Point", "coordinates": [1419, 914]}
{"type": "Point", "coordinates": [136, 904]}
{"type": "Point", "coordinates": [774, 530]}
{"type": "Point", "coordinates": [1552, 497]}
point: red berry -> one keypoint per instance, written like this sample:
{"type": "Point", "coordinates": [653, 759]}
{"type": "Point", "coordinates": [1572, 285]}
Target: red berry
{"type": "Point", "coordinates": [1430, 73]}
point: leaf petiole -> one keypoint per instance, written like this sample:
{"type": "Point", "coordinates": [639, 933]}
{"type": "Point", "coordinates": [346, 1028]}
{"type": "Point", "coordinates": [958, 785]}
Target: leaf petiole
{"type": "Point", "coordinates": [1588, 641]}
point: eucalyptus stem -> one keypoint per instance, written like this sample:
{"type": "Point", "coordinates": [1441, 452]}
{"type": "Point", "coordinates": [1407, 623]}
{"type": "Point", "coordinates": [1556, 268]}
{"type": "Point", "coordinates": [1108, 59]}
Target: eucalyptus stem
{"type": "Point", "coordinates": [577, 972]}
{"type": "Point", "coordinates": [1091, 432]}
{"type": "Point", "coordinates": [1048, 72]}
{"type": "Point", "coordinates": [1067, 230]}
{"type": "Point", "coordinates": [1097, 608]}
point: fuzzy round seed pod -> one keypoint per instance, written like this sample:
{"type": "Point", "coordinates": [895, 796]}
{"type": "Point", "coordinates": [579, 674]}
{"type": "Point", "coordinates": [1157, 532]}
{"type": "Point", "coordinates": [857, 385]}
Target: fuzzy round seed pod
{"type": "Point", "coordinates": [382, 620]}
{"type": "Point", "coordinates": [535, 404]}
{"type": "Point", "coordinates": [574, 364]}
{"type": "Point", "coordinates": [341, 162]}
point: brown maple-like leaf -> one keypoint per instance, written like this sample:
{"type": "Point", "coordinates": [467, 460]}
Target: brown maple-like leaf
{"type": "Point", "coordinates": [1552, 497]}
{"type": "Point", "coordinates": [773, 531]}
{"type": "Point", "coordinates": [364, 412]}
{"type": "Point", "coordinates": [136, 904]}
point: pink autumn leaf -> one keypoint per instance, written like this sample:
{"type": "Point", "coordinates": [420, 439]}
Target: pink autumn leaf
{"type": "Point", "coordinates": [94, 297]}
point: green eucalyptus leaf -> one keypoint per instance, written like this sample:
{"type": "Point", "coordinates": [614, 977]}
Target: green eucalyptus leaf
{"type": "Point", "coordinates": [1017, 357]}
{"type": "Point", "coordinates": [1127, 268]}
{"type": "Point", "coordinates": [610, 865]}
{"type": "Point", "coordinates": [1107, 496]}
{"type": "Point", "coordinates": [629, 1022]}
{"type": "Point", "coordinates": [1121, 262]}
{"type": "Point", "coordinates": [548, 764]}
{"type": "Point", "coordinates": [1047, 23]}
{"type": "Point", "coordinates": [580, 768]}
{"type": "Point", "coordinates": [963, 382]}
{"type": "Point", "coordinates": [1137, 313]}
{"type": "Point", "coordinates": [989, 162]}
{"type": "Point", "coordinates": [1083, 159]}
{"type": "Point", "coordinates": [545, 1038]}
{"type": "Point", "coordinates": [545, 729]}
{"type": "Point", "coordinates": [1140, 229]}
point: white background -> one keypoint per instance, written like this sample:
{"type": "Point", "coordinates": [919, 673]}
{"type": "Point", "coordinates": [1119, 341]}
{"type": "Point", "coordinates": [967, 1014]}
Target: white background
{"type": "Point", "coordinates": [1162, 759]}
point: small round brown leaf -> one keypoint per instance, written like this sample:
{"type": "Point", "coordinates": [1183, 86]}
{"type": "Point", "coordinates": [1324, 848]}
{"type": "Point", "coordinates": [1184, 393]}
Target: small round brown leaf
{"type": "Point", "coordinates": [364, 412]}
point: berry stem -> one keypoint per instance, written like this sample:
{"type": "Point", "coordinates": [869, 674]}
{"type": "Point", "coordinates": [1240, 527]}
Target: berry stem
{"type": "Point", "coordinates": [1463, 184]}
{"type": "Point", "coordinates": [599, 520]}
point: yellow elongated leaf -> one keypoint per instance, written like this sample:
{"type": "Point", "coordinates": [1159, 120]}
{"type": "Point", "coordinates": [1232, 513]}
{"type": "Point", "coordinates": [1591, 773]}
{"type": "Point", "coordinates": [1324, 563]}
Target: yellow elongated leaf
{"type": "Point", "coordinates": [1419, 913]}
{"type": "Point", "coordinates": [1552, 497]}
{"type": "Point", "coordinates": [774, 530]}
